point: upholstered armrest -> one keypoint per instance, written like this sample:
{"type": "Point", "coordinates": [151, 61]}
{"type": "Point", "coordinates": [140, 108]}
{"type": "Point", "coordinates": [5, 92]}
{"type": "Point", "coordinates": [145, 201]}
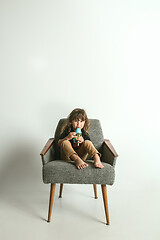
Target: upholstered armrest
{"type": "Point", "coordinates": [109, 154]}
{"type": "Point", "coordinates": [48, 153]}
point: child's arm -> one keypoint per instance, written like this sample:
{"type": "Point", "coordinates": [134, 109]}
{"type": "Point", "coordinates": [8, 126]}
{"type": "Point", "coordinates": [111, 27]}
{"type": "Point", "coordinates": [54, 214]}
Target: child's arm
{"type": "Point", "coordinates": [68, 137]}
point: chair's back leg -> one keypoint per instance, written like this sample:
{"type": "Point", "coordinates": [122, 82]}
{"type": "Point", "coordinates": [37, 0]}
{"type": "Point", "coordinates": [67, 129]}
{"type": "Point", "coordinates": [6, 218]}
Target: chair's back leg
{"type": "Point", "coordinates": [95, 190]}
{"type": "Point", "coordinates": [104, 192]}
{"type": "Point", "coordinates": [53, 185]}
{"type": "Point", "coordinates": [61, 189]}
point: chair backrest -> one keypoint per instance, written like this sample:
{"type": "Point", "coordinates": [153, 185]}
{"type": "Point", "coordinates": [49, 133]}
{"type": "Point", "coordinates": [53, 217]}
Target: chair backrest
{"type": "Point", "coordinates": [95, 132]}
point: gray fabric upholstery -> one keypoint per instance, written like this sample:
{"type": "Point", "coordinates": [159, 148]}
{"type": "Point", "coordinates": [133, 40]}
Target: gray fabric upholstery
{"type": "Point", "coordinates": [60, 171]}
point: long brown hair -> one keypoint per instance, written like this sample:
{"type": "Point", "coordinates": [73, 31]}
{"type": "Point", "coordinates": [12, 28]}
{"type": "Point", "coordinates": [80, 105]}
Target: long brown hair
{"type": "Point", "coordinates": [76, 114]}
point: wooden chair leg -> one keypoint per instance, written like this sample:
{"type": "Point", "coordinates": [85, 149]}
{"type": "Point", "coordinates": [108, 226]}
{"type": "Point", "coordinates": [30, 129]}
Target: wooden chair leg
{"type": "Point", "coordinates": [52, 190]}
{"type": "Point", "coordinates": [104, 192]}
{"type": "Point", "coordinates": [95, 190]}
{"type": "Point", "coordinates": [60, 192]}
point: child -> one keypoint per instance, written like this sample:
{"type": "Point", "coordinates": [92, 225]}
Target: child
{"type": "Point", "coordinates": [68, 150]}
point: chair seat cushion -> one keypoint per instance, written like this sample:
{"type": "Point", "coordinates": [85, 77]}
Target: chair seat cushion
{"type": "Point", "coordinates": [59, 171]}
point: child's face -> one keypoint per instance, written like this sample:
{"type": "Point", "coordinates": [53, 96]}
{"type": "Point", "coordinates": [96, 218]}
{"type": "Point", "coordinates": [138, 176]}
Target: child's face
{"type": "Point", "coordinates": [78, 124]}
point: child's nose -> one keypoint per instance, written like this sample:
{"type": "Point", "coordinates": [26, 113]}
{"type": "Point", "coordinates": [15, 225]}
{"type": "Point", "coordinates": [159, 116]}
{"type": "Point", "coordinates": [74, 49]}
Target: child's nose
{"type": "Point", "coordinates": [78, 124]}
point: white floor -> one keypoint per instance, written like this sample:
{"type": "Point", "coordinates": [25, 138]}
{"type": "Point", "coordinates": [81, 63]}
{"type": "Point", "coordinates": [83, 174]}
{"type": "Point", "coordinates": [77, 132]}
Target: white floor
{"type": "Point", "coordinates": [133, 208]}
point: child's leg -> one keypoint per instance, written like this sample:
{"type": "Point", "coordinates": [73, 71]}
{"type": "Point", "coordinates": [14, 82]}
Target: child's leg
{"type": "Point", "coordinates": [97, 161]}
{"type": "Point", "coordinates": [66, 150]}
{"type": "Point", "coordinates": [68, 154]}
{"type": "Point", "coordinates": [86, 148]}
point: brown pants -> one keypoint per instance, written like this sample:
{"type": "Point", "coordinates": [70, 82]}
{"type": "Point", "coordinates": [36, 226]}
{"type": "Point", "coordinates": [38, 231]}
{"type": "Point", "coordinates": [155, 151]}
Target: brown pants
{"type": "Point", "coordinates": [86, 148]}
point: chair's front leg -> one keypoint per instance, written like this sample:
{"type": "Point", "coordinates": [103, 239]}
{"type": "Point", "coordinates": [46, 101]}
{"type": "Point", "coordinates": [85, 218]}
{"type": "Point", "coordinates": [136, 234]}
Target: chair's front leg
{"type": "Point", "coordinates": [53, 185]}
{"type": "Point", "coordinates": [104, 192]}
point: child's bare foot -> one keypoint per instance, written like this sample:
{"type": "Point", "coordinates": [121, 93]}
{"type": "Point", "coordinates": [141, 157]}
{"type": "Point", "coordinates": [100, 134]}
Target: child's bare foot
{"type": "Point", "coordinates": [78, 161]}
{"type": "Point", "coordinates": [80, 164]}
{"type": "Point", "coordinates": [98, 164]}
{"type": "Point", "coordinates": [97, 161]}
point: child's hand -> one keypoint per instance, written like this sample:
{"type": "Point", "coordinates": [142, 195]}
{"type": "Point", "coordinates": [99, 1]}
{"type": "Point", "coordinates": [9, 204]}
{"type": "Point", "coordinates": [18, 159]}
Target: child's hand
{"type": "Point", "coordinates": [71, 135]}
{"type": "Point", "coordinates": [80, 139]}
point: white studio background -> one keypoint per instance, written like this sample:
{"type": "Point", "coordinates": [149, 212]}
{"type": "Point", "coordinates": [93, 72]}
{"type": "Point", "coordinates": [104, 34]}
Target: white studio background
{"type": "Point", "coordinates": [102, 56]}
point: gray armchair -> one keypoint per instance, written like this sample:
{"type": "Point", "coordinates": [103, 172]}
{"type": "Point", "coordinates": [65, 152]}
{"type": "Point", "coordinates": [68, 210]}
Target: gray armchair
{"type": "Point", "coordinates": [59, 171]}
